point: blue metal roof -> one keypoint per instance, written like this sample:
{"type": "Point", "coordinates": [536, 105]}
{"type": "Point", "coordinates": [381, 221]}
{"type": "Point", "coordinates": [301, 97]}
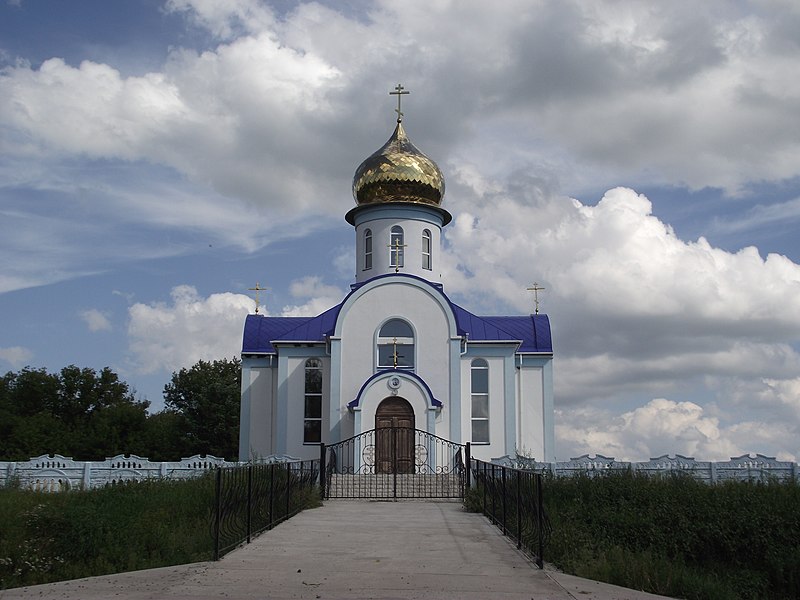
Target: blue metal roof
{"type": "Point", "coordinates": [259, 331]}
{"type": "Point", "coordinates": [313, 329]}
{"type": "Point", "coordinates": [531, 331]}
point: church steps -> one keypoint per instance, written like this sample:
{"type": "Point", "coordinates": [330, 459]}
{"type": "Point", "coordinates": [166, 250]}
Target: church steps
{"type": "Point", "coordinates": [390, 486]}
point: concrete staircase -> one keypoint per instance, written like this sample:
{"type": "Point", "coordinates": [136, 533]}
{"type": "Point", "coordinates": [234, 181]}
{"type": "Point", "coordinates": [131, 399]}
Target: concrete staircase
{"type": "Point", "coordinates": [404, 485]}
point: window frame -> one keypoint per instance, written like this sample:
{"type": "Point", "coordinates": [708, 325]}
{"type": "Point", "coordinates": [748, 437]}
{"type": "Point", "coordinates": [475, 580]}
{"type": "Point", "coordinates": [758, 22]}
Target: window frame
{"type": "Point", "coordinates": [479, 364]}
{"type": "Point", "coordinates": [427, 253]}
{"type": "Point", "coordinates": [367, 249]}
{"type": "Point", "coordinates": [383, 340]}
{"type": "Point", "coordinates": [312, 364]}
{"type": "Point", "coordinates": [396, 251]}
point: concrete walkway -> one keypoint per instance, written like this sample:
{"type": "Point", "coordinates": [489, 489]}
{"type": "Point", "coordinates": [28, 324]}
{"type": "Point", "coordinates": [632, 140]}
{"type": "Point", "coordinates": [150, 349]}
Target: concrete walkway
{"type": "Point", "coordinates": [353, 550]}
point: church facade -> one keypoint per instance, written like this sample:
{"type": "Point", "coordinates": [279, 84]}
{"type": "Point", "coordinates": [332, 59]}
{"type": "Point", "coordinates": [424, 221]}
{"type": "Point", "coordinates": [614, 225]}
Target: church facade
{"type": "Point", "coordinates": [396, 349]}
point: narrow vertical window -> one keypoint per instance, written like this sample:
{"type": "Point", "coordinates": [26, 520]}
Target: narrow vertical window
{"type": "Point", "coordinates": [396, 246]}
{"type": "Point", "coordinates": [427, 263]}
{"type": "Point", "coordinates": [312, 416]}
{"type": "Point", "coordinates": [367, 249]}
{"type": "Point", "coordinates": [479, 389]}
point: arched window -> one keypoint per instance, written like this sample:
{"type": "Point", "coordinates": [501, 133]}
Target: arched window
{"type": "Point", "coordinates": [427, 262]}
{"type": "Point", "coordinates": [396, 345]}
{"type": "Point", "coordinates": [396, 246]}
{"type": "Point", "coordinates": [312, 416]}
{"type": "Point", "coordinates": [479, 388]}
{"type": "Point", "coordinates": [367, 249]}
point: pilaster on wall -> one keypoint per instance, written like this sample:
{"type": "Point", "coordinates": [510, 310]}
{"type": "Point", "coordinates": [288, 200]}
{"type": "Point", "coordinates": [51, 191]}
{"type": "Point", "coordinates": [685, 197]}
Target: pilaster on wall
{"type": "Point", "coordinates": [335, 409]}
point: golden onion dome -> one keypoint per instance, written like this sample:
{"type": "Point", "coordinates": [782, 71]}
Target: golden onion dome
{"type": "Point", "coordinates": [398, 172]}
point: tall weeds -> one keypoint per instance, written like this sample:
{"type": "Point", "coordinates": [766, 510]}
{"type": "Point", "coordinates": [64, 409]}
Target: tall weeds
{"type": "Point", "coordinates": [677, 536]}
{"type": "Point", "coordinates": [52, 537]}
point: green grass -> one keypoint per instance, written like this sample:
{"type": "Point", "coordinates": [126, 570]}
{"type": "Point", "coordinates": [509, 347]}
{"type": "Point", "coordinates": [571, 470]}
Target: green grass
{"type": "Point", "coordinates": [676, 536]}
{"type": "Point", "coordinates": [52, 537]}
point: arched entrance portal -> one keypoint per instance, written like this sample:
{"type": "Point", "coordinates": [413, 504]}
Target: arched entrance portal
{"type": "Point", "coordinates": [394, 432]}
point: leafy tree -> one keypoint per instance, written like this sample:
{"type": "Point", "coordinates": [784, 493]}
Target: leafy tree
{"type": "Point", "coordinates": [164, 438]}
{"type": "Point", "coordinates": [207, 396]}
{"type": "Point", "coordinates": [77, 412]}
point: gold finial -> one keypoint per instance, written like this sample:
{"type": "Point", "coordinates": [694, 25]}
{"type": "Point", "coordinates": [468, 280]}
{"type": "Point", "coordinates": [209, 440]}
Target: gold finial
{"type": "Point", "coordinates": [397, 248]}
{"type": "Point", "coordinates": [399, 92]}
{"type": "Point", "coordinates": [394, 343]}
{"type": "Point", "coordinates": [257, 289]}
{"type": "Point", "coordinates": [535, 289]}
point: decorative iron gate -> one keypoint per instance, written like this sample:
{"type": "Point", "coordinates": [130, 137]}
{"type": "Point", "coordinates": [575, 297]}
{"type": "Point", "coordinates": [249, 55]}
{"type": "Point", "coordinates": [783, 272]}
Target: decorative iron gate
{"type": "Point", "coordinates": [394, 462]}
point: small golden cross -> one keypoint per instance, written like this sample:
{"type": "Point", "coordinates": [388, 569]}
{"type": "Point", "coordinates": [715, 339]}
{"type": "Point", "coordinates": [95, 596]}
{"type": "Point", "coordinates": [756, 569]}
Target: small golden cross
{"type": "Point", "coordinates": [399, 92]}
{"type": "Point", "coordinates": [394, 343]}
{"type": "Point", "coordinates": [396, 248]}
{"type": "Point", "coordinates": [535, 289]}
{"type": "Point", "coordinates": [257, 289]}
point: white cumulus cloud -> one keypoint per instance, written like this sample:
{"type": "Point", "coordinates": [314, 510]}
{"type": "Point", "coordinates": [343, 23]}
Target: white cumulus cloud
{"type": "Point", "coordinates": [96, 320]}
{"type": "Point", "coordinates": [171, 336]}
{"type": "Point", "coordinates": [16, 356]}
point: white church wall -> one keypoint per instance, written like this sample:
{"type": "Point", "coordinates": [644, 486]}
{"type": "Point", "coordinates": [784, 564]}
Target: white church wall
{"type": "Point", "coordinates": [530, 402]}
{"type": "Point", "coordinates": [360, 320]}
{"type": "Point", "coordinates": [536, 427]}
{"type": "Point", "coordinates": [257, 409]}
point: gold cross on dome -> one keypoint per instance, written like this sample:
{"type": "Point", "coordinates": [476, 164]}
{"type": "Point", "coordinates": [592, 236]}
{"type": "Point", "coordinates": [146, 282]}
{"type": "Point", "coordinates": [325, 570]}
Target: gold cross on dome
{"type": "Point", "coordinates": [257, 289]}
{"type": "Point", "coordinates": [535, 288]}
{"type": "Point", "coordinates": [399, 92]}
{"type": "Point", "coordinates": [396, 247]}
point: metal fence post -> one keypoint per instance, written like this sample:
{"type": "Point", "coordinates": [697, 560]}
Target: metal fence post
{"type": "Point", "coordinates": [217, 512]}
{"type": "Point", "coordinates": [540, 519]}
{"type": "Point", "coordinates": [468, 465]}
{"type": "Point", "coordinates": [323, 451]}
{"type": "Point", "coordinates": [518, 477]}
{"type": "Point", "coordinates": [505, 493]}
{"type": "Point", "coordinates": [271, 495]}
{"type": "Point", "coordinates": [483, 472]}
{"type": "Point", "coordinates": [288, 489]}
{"type": "Point", "coordinates": [249, 501]}
{"type": "Point", "coordinates": [494, 509]}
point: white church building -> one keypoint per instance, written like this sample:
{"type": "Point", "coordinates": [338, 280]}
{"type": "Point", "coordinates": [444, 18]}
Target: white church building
{"type": "Point", "coordinates": [396, 350]}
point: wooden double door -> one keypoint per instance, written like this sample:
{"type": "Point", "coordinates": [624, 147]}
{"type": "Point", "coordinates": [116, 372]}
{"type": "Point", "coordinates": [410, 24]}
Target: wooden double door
{"type": "Point", "coordinates": [394, 436]}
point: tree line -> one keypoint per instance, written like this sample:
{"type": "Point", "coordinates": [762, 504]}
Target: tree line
{"type": "Point", "coordinates": [92, 415]}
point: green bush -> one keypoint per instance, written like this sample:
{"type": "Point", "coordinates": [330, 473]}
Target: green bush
{"type": "Point", "coordinates": [677, 536]}
{"type": "Point", "coordinates": [52, 537]}
{"type": "Point", "coordinates": [671, 535]}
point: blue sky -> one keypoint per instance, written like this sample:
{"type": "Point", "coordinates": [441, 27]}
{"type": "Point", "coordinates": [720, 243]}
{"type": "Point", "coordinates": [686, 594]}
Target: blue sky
{"type": "Point", "coordinates": [640, 160]}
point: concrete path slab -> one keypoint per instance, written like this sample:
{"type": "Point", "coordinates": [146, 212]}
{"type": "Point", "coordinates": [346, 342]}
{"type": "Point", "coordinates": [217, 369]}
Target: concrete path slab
{"type": "Point", "coordinates": [353, 549]}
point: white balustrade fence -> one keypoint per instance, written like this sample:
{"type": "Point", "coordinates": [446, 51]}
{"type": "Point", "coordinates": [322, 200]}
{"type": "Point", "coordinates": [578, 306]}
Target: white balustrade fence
{"type": "Point", "coordinates": [739, 468]}
{"type": "Point", "coordinates": [57, 473]}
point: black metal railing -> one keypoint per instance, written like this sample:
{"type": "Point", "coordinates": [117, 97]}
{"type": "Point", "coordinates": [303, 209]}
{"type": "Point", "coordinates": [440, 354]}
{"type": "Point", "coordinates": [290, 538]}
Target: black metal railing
{"type": "Point", "coordinates": [253, 498]}
{"type": "Point", "coordinates": [394, 462]}
{"type": "Point", "coordinates": [513, 500]}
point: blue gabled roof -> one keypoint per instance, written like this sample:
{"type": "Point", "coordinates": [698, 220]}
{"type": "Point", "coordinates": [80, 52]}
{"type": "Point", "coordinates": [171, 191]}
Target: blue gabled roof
{"type": "Point", "coordinates": [531, 331]}
{"type": "Point", "coordinates": [314, 329]}
{"type": "Point", "coordinates": [259, 331]}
